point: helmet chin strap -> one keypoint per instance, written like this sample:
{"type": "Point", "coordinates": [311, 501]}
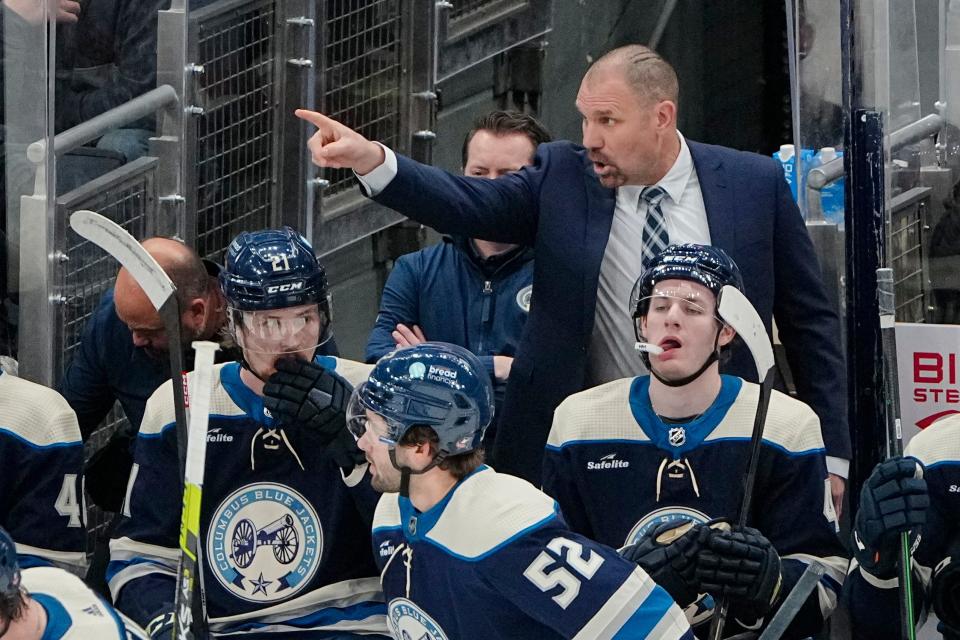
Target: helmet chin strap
{"type": "Point", "coordinates": [713, 357]}
{"type": "Point", "coordinates": [406, 472]}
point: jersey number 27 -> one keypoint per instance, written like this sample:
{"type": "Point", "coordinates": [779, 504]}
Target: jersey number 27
{"type": "Point", "coordinates": [571, 553]}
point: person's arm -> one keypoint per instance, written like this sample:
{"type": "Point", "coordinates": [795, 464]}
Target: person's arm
{"type": "Point", "coordinates": [144, 550]}
{"type": "Point", "coordinates": [808, 325]}
{"type": "Point", "coordinates": [794, 510]}
{"type": "Point", "coordinates": [46, 518]}
{"type": "Point", "coordinates": [501, 210]}
{"type": "Point", "coordinates": [85, 384]}
{"type": "Point", "coordinates": [580, 588]}
{"type": "Point", "coordinates": [400, 303]}
{"type": "Point", "coordinates": [136, 64]}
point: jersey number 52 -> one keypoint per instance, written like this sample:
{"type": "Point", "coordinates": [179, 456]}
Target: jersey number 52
{"type": "Point", "coordinates": [569, 552]}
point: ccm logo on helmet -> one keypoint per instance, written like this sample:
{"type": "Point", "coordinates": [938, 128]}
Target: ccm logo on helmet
{"type": "Point", "coordinates": [285, 288]}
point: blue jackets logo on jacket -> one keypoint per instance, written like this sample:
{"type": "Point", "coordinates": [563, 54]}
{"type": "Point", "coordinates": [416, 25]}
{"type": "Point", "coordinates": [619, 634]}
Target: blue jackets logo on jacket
{"type": "Point", "coordinates": [409, 622]}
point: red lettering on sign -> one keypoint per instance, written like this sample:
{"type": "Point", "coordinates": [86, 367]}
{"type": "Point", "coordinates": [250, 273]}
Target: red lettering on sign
{"type": "Point", "coordinates": [928, 367]}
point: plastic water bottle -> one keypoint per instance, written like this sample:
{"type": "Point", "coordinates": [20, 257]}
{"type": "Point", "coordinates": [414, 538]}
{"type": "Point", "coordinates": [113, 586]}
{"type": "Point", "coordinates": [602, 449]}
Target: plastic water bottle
{"type": "Point", "coordinates": [831, 197]}
{"type": "Point", "coordinates": [788, 159]}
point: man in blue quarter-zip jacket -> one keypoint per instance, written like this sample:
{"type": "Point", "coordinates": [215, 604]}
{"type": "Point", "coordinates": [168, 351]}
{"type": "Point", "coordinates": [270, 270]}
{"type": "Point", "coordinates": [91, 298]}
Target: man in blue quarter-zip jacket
{"type": "Point", "coordinates": [465, 291]}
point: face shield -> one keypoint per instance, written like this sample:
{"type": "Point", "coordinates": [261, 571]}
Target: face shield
{"type": "Point", "coordinates": [358, 421]}
{"type": "Point", "coordinates": [671, 299]}
{"type": "Point", "coordinates": [277, 332]}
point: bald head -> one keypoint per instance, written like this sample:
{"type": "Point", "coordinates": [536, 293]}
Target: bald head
{"type": "Point", "coordinates": [649, 75]}
{"type": "Point", "coordinates": [187, 272]}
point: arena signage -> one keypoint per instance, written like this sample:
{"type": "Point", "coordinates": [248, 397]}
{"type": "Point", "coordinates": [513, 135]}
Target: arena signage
{"type": "Point", "coordinates": [929, 373]}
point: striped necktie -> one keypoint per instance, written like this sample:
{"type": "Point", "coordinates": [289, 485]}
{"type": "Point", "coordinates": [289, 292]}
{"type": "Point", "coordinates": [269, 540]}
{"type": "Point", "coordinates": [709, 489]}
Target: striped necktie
{"type": "Point", "coordinates": [655, 236]}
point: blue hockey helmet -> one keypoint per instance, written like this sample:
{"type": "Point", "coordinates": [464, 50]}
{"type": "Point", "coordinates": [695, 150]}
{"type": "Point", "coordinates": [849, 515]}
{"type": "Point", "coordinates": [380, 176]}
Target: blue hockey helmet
{"type": "Point", "coordinates": [434, 384]}
{"type": "Point", "coordinates": [272, 269]}
{"type": "Point", "coordinates": [704, 264]}
{"type": "Point", "coordinates": [9, 569]}
{"type": "Point", "coordinates": [269, 270]}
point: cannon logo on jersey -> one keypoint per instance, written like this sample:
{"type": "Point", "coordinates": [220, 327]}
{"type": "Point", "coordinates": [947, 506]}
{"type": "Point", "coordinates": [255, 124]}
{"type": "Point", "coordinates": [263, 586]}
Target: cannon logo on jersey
{"type": "Point", "coordinates": [667, 514]}
{"type": "Point", "coordinates": [524, 296]}
{"type": "Point", "coordinates": [264, 543]}
{"type": "Point", "coordinates": [409, 622]}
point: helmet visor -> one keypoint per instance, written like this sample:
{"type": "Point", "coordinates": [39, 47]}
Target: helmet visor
{"type": "Point", "coordinates": [359, 420]}
{"type": "Point", "coordinates": [282, 331]}
{"type": "Point", "coordinates": [676, 302]}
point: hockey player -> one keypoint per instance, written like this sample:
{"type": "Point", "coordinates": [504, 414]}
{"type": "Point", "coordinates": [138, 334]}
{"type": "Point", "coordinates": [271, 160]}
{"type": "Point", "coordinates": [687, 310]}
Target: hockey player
{"type": "Point", "coordinates": [639, 461]}
{"type": "Point", "coordinates": [47, 603]}
{"type": "Point", "coordinates": [467, 553]}
{"type": "Point", "coordinates": [41, 475]}
{"type": "Point", "coordinates": [919, 493]}
{"type": "Point", "coordinates": [285, 526]}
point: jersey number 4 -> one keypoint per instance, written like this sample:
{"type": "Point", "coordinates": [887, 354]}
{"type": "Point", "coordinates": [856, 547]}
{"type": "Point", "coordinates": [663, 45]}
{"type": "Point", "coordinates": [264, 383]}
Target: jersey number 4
{"type": "Point", "coordinates": [67, 504]}
{"type": "Point", "coordinates": [571, 553]}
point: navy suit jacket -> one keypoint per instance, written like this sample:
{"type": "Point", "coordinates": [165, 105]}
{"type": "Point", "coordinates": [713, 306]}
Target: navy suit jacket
{"type": "Point", "coordinates": [558, 206]}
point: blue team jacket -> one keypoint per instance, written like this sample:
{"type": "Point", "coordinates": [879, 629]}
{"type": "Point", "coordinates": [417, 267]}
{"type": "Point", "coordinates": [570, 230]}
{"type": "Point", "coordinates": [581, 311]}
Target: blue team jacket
{"type": "Point", "coordinates": [444, 290]}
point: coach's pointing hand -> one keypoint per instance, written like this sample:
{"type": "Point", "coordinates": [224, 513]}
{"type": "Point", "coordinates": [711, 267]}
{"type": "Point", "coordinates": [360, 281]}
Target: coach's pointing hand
{"type": "Point", "coordinates": [337, 146]}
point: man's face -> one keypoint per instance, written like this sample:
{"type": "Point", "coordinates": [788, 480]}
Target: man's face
{"type": "Point", "coordinates": [384, 477]}
{"type": "Point", "coordinates": [267, 336]}
{"type": "Point", "coordinates": [622, 131]}
{"type": "Point", "coordinates": [30, 625]}
{"type": "Point", "coordinates": [490, 155]}
{"type": "Point", "coordinates": [681, 320]}
{"type": "Point", "coordinates": [146, 328]}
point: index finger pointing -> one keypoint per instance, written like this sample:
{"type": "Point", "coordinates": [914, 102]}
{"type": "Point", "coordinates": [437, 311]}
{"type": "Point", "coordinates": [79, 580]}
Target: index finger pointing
{"type": "Point", "coordinates": [317, 119]}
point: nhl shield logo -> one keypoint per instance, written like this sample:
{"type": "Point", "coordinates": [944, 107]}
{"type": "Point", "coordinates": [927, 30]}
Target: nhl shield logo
{"type": "Point", "coordinates": [677, 436]}
{"type": "Point", "coordinates": [524, 296]}
{"type": "Point", "coordinates": [409, 622]}
{"type": "Point", "coordinates": [264, 543]}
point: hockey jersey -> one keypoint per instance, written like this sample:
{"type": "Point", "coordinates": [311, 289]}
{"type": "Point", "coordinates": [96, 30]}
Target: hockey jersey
{"type": "Point", "coordinates": [874, 603]}
{"type": "Point", "coordinates": [41, 475]}
{"type": "Point", "coordinates": [285, 537]}
{"type": "Point", "coordinates": [74, 611]}
{"type": "Point", "coordinates": [494, 559]}
{"type": "Point", "coordinates": [617, 470]}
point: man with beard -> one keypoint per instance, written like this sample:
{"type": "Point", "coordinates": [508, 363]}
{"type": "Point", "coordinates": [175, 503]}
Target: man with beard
{"type": "Point", "coordinates": [123, 357]}
{"type": "Point", "coordinates": [285, 522]}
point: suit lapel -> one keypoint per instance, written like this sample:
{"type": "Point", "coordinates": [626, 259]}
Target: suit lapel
{"type": "Point", "coordinates": [717, 198]}
{"type": "Point", "coordinates": [600, 205]}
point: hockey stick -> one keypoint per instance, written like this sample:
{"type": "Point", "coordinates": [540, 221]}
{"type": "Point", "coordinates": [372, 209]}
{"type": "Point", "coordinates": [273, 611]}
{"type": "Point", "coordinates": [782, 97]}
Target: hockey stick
{"type": "Point", "coordinates": [792, 604]}
{"type": "Point", "coordinates": [735, 310]}
{"type": "Point", "coordinates": [190, 565]}
{"type": "Point", "coordinates": [115, 240]}
{"type": "Point", "coordinates": [887, 306]}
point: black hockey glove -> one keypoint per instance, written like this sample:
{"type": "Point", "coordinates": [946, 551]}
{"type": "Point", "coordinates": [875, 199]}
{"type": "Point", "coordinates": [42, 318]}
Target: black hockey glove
{"type": "Point", "coordinates": [668, 553]}
{"type": "Point", "coordinates": [893, 500]}
{"type": "Point", "coordinates": [344, 452]}
{"type": "Point", "coordinates": [306, 395]}
{"type": "Point", "coordinates": [945, 590]}
{"type": "Point", "coordinates": [742, 565]}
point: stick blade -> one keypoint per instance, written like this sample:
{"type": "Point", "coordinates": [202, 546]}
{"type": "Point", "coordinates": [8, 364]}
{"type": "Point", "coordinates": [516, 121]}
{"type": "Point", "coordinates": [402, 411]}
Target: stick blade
{"type": "Point", "coordinates": [115, 240]}
{"type": "Point", "coordinates": [735, 309]}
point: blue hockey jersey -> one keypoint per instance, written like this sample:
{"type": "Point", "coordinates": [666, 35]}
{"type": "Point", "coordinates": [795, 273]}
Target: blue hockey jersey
{"type": "Point", "coordinates": [41, 475]}
{"type": "Point", "coordinates": [494, 559]}
{"type": "Point", "coordinates": [285, 538]}
{"type": "Point", "coordinates": [74, 611]}
{"type": "Point", "coordinates": [874, 603]}
{"type": "Point", "coordinates": [617, 470]}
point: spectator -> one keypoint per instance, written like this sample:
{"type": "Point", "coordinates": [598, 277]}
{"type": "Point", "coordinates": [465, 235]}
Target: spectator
{"type": "Point", "coordinates": [464, 291]}
{"type": "Point", "coordinates": [585, 211]}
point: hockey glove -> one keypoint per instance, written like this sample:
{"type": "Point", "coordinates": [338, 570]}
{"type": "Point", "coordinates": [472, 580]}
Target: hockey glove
{"type": "Point", "coordinates": [742, 565]}
{"type": "Point", "coordinates": [668, 553]}
{"type": "Point", "coordinates": [945, 589]}
{"type": "Point", "coordinates": [893, 500]}
{"type": "Point", "coordinates": [344, 452]}
{"type": "Point", "coordinates": [308, 396]}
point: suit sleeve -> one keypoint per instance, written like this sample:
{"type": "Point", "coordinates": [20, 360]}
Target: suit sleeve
{"type": "Point", "coordinates": [144, 549]}
{"type": "Point", "coordinates": [501, 210]}
{"type": "Point", "coordinates": [808, 324]}
{"type": "Point", "coordinates": [400, 303]}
